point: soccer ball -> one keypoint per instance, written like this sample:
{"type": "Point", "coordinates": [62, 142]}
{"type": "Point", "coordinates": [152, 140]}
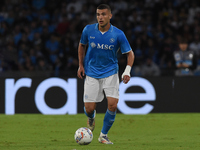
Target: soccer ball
{"type": "Point", "coordinates": [83, 136]}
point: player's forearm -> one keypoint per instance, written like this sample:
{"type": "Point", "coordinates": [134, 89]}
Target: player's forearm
{"type": "Point", "coordinates": [81, 53]}
{"type": "Point", "coordinates": [130, 58]}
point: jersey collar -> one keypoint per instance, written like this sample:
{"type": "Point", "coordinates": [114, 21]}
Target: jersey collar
{"type": "Point", "coordinates": [110, 29]}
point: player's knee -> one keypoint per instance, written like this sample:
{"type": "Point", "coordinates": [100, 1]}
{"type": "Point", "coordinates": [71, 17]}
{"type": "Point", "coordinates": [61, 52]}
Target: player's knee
{"type": "Point", "coordinates": [89, 109]}
{"type": "Point", "coordinates": [112, 107]}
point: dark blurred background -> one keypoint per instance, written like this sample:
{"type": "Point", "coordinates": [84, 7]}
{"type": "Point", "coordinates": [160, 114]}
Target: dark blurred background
{"type": "Point", "coordinates": [40, 37]}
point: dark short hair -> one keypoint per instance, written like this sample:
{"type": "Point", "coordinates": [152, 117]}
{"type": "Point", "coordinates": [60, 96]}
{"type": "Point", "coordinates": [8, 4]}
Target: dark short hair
{"type": "Point", "coordinates": [183, 41]}
{"type": "Point", "coordinates": [104, 6]}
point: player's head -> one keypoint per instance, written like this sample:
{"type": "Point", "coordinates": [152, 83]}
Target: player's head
{"type": "Point", "coordinates": [183, 44]}
{"type": "Point", "coordinates": [103, 14]}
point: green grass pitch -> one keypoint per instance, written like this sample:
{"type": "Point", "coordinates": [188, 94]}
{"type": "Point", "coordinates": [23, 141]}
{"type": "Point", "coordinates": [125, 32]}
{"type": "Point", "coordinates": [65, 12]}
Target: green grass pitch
{"type": "Point", "coordinates": [167, 131]}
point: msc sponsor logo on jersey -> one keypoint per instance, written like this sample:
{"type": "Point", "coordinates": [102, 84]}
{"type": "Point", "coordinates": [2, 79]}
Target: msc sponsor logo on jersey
{"type": "Point", "coordinates": [102, 46]}
{"type": "Point", "coordinates": [105, 46]}
{"type": "Point", "coordinates": [93, 45]}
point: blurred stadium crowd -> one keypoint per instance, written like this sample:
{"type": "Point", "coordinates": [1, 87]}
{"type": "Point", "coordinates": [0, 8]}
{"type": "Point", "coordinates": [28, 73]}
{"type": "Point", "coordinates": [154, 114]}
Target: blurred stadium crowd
{"type": "Point", "coordinates": [43, 35]}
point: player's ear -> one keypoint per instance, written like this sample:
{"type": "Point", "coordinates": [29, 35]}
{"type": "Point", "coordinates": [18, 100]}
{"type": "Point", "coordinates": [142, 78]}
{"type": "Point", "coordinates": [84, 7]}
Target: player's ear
{"type": "Point", "coordinates": [110, 16]}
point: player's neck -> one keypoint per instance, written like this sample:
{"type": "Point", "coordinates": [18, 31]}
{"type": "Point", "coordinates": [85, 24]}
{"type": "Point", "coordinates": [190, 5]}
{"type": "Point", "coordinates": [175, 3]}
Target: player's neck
{"type": "Point", "coordinates": [104, 28]}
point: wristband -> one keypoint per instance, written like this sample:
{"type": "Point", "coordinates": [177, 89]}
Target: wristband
{"type": "Point", "coordinates": [127, 71]}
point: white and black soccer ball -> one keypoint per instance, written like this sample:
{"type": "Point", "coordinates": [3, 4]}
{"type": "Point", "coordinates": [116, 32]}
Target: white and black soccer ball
{"type": "Point", "coordinates": [83, 136]}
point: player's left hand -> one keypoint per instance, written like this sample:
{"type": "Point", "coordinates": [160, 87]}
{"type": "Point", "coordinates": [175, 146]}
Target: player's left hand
{"type": "Point", "coordinates": [126, 75]}
{"type": "Point", "coordinates": [126, 79]}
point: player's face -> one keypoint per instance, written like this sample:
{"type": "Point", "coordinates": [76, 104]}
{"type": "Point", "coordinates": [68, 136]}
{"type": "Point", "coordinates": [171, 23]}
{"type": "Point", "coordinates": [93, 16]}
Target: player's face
{"type": "Point", "coordinates": [103, 17]}
{"type": "Point", "coordinates": [183, 46]}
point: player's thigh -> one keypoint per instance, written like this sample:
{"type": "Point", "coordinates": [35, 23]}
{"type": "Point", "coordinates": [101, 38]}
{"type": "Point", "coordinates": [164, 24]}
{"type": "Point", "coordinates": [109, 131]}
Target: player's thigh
{"type": "Point", "coordinates": [111, 86]}
{"type": "Point", "coordinates": [93, 91]}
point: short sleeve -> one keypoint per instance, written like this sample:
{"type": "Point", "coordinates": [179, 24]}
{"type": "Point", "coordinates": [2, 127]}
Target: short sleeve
{"type": "Point", "coordinates": [84, 36]}
{"type": "Point", "coordinates": [124, 44]}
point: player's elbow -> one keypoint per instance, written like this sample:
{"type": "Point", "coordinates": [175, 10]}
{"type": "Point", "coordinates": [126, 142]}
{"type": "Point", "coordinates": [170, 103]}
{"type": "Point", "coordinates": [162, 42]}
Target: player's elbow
{"type": "Point", "coordinates": [131, 56]}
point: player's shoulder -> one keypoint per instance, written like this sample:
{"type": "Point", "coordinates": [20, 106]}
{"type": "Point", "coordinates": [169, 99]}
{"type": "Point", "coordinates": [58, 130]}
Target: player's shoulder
{"type": "Point", "coordinates": [117, 30]}
{"type": "Point", "coordinates": [90, 27]}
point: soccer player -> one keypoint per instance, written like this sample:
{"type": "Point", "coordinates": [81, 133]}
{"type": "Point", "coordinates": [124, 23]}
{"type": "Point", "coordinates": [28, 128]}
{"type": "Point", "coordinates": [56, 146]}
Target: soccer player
{"type": "Point", "coordinates": [100, 65]}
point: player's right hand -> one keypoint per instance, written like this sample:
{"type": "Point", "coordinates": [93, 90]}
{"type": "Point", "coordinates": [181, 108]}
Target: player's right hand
{"type": "Point", "coordinates": [81, 72]}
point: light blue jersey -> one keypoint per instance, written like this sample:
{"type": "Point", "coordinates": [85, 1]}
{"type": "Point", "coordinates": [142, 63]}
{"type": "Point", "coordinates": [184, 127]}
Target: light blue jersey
{"type": "Point", "coordinates": [101, 57]}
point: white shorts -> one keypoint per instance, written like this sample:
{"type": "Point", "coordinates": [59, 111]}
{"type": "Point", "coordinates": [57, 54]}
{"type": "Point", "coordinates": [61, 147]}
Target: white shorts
{"type": "Point", "coordinates": [93, 88]}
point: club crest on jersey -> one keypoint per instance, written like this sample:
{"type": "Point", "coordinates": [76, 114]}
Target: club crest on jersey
{"type": "Point", "coordinates": [112, 40]}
